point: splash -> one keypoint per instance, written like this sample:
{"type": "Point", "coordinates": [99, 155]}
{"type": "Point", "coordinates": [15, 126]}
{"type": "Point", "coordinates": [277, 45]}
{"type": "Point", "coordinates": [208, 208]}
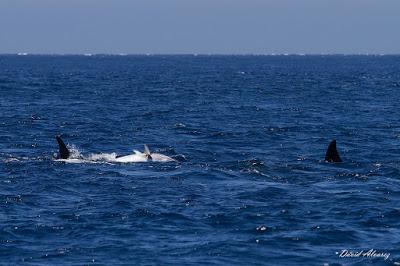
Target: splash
{"type": "Point", "coordinates": [107, 157]}
{"type": "Point", "coordinates": [75, 153]}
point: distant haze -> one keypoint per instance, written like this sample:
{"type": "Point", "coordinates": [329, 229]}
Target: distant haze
{"type": "Point", "coordinates": [200, 26]}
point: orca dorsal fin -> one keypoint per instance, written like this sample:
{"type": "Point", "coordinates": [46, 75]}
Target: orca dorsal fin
{"type": "Point", "coordinates": [147, 152]}
{"type": "Point", "coordinates": [332, 154]}
{"type": "Point", "coordinates": [63, 150]}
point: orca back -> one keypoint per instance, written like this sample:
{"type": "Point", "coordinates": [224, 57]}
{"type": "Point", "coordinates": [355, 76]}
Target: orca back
{"type": "Point", "coordinates": [332, 154]}
{"type": "Point", "coordinates": [63, 150]}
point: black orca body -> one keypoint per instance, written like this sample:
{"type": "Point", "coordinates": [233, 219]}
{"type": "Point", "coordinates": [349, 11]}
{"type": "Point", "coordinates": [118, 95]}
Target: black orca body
{"type": "Point", "coordinates": [332, 155]}
{"type": "Point", "coordinates": [63, 150]}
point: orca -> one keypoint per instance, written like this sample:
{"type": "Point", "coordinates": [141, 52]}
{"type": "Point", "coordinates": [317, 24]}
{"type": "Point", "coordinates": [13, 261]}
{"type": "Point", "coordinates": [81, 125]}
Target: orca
{"type": "Point", "coordinates": [332, 155]}
{"type": "Point", "coordinates": [157, 157]}
{"type": "Point", "coordinates": [63, 150]}
{"type": "Point", "coordinates": [136, 157]}
{"type": "Point", "coordinates": [145, 156]}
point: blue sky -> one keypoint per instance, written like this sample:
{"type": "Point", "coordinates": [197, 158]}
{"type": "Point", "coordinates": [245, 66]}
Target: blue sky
{"type": "Point", "coordinates": [200, 26]}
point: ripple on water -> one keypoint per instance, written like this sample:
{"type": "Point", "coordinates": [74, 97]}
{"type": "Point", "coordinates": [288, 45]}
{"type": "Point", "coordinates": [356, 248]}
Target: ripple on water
{"type": "Point", "coordinates": [249, 133]}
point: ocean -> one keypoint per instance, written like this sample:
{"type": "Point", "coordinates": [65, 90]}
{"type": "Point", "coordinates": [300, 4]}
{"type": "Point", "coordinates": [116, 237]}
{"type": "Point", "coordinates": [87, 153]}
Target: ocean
{"type": "Point", "coordinates": [249, 185]}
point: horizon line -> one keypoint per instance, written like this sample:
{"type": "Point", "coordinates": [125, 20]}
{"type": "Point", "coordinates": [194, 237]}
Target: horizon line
{"type": "Point", "coordinates": [197, 54]}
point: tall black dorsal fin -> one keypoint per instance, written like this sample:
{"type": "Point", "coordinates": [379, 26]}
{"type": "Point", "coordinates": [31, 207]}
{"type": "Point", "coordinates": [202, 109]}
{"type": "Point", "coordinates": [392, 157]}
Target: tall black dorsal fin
{"type": "Point", "coordinates": [332, 154]}
{"type": "Point", "coordinates": [64, 152]}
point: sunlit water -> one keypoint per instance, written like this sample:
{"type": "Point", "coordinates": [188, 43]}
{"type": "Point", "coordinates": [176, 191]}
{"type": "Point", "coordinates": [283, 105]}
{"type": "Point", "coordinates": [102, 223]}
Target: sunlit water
{"type": "Point", "coordinates": [249, 134]}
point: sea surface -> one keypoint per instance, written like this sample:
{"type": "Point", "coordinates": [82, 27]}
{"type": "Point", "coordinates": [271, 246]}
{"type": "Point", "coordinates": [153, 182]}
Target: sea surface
{"type": "Point", "coordinates": [249, 133]}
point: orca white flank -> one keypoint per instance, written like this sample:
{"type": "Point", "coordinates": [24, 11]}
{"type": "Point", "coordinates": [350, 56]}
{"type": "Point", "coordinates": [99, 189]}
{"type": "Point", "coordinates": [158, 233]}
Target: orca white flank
{"type": "Point", "coordinates": [136, 157]}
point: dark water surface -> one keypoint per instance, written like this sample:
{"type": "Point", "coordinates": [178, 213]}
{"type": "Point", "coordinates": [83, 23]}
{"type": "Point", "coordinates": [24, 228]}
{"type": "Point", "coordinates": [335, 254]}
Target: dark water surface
{"type": "Point", "coordinates": [250, 187]}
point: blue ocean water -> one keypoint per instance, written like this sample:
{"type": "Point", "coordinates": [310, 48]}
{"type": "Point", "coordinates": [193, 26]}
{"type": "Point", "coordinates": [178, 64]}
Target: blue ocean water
{"type": "Point", "coordinates": [250, 186]}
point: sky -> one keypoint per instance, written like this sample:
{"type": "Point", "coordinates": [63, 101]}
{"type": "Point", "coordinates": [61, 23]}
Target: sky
{"type": "Point", "coordinates": [200, 26]}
